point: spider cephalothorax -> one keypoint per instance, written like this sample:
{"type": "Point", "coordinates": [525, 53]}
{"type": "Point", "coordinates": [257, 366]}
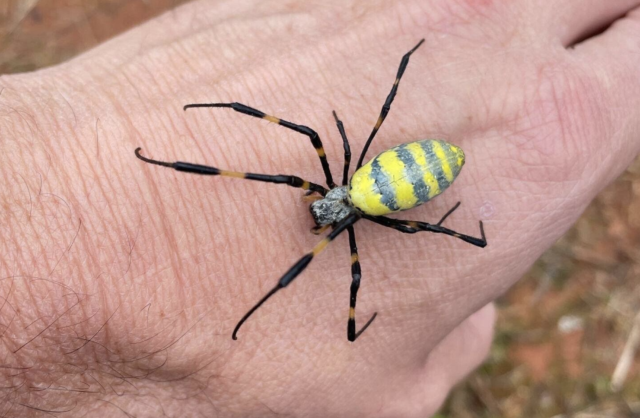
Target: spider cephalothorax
{"type": "Point", "coordinates": [332, 208]}
{"type": "Point", "coordinates": [397, 179]}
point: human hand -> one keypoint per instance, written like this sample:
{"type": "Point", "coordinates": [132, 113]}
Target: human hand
{"type": "Point", "coordinates": [126, 299]}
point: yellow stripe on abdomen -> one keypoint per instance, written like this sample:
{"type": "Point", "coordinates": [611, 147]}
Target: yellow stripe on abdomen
{"type": "Point", "coordinates": [363, 195]}
{"type": "Point", "coordinates": [399, 185]}
{"type": "Point", "coordinates": [427, 176]}
{"type": "Point", "coordinates": [443, 160]}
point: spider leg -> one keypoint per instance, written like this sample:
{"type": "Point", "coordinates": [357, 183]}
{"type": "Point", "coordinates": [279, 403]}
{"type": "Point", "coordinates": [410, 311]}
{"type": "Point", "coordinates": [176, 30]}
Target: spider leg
{"type": "Point", "coordinates": [449, 212]}
{"type": "Point", "coordinates": [387, 103]}
{"type": "Point", "coordinates": [206, 170]}
{"type": "Point", "coordinates": [317, 230]}
{"type": "Point", "coordinates": [356, 275]}
{"type": "Point", "coordinates": [313, 135]}
{"type": "Point", "coordinates": [412, 227]}
{"type": "Point", "coordinates": [347, 150]}
{"type": "Point", "coordinates": [299, 267]}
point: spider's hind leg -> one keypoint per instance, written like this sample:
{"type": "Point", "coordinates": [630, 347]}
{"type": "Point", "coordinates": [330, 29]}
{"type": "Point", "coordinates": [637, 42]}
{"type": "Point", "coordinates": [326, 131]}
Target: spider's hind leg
{"type": "Point", "coordinates": [449, 212]}
{"type": "Point", "coordinates": [387, 103]}
{"type": "Point", "coordinates": [412, 227]}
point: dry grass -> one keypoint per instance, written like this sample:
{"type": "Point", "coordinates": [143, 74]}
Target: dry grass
{"type": "Point", "coordinates": [561, 330]}
{"type": "Point", "coordinates": [38, 33]}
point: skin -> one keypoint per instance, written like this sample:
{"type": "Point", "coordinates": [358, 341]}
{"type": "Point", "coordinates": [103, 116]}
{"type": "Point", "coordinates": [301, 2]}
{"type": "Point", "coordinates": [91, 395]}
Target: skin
{"type": "Point", "coordinates": [122, 281]}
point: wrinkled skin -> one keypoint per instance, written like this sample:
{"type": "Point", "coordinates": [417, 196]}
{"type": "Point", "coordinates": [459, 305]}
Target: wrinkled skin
{"type": "Point", "coordinates": [123, 281]}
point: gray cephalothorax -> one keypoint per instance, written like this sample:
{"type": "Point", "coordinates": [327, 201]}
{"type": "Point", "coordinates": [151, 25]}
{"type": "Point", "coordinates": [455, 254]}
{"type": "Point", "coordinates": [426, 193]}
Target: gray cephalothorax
{"type": "Point", "coordinates": [333, 208]}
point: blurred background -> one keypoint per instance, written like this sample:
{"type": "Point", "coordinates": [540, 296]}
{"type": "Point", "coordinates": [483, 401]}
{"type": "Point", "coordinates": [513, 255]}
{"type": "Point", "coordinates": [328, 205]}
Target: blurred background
{"type": "Point", "coordinates": [562, 330]}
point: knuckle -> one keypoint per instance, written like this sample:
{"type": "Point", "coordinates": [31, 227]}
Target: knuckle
{"type": "Point", "coordinates": [560, 125]}
{"type": "Point", "coordinates": [482, 20]}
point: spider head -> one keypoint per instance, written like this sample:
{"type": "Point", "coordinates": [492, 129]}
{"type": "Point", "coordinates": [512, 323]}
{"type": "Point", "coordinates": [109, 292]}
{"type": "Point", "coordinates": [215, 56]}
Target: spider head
{"type": "Point", "coordinates": [333, 208]}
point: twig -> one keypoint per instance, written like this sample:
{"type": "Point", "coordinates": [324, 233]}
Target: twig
{"type": "Point", "coordinates": [626, 358]}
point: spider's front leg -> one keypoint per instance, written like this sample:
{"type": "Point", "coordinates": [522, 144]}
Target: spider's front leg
{"type": "Point", "coordinates": [356, 275]}
{"type": "Point", "coordinates": [206, 170]}
{"type": "Point", "coordinates": [301, 129]}
{"type": "Point", "coordinates": [299, 267]}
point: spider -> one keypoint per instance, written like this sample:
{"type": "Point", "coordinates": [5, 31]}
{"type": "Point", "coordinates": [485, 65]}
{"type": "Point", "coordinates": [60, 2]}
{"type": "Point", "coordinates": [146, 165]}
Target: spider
{"type": "Point", "coordinates": [398, 179]}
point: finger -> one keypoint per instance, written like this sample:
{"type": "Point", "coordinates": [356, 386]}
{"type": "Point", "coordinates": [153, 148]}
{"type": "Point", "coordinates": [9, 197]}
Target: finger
{"type": "Point", "coordinates": [463, 350]}
{"type": "Point", "coordinates": [618, 42]}
{"type": "Point", "coordinates": [614, 58]}
{"type": "Point", "coordinates": [574, 20]}
{"type": "Point", "coordinates": [458, 354]}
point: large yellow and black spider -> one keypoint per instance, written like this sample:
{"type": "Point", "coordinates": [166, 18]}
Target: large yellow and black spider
{"type": "Point", "coordinates": [398, 179]}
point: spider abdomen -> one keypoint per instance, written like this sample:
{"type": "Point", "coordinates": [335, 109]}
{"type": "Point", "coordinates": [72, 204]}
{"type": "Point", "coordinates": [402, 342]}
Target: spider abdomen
{"type": "Point", "coordinates": [405, 176]}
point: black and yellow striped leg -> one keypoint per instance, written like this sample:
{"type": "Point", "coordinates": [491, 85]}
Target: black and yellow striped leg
{"type": "Point", "coordinates": [356, 275]}
{"type": "Point", "coordinates": [313, 135]}
{"type": "Point", "coordinates": [387, 103]}
{"type": "Point", "coordinates": [206, 170]}
{"type": "Point", "coordinates": [412, 227]}
{"type": "Point", "coordinates": [347, 150]}
{"type": "Point", "coordinates": [299, 267]}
